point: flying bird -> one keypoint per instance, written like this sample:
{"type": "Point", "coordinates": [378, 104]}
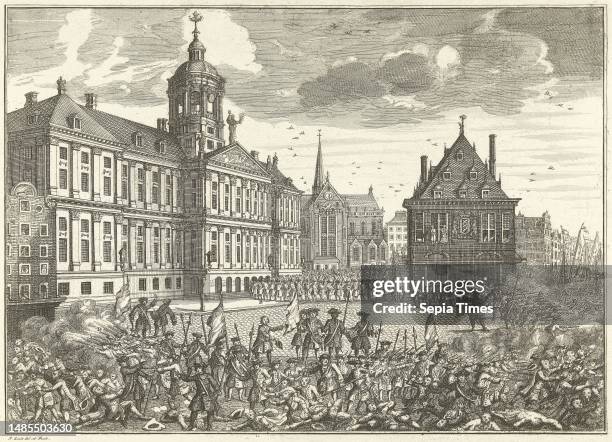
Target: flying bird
{"type": "Point", "coordinates": [532, 173]}
{"type": "Point", "coordinates": [570, 108]}
{"type": "Point", "coordinates": [551, 167]}
{"type": "Point", "coordinates": [295, 138]}
{"type": "Point", "coordinates": [294, 155]}
{"type": "Point", "coordinates": [531, 180]}
{"type": "Point", "coordinates": [302, 133]}
{"type": "Point", "coordinates": [349, 32]}
{"type": "Point", "coordinates": [434, 144]}
{"type": "Point", "coordinates": [428, 139]}
{"type": "Point", "coordinates": [560, 104]}
{"type": "Point", "coordinates": [290, 127]}
{"type": "Point", "coordinates": [402, 185]}
{"type": "Point", "coordinates": [290, 148]}
{"type": "Point", "coordinates": [380, 162]}
{"type": "Point", "coordinates": [358, 167]}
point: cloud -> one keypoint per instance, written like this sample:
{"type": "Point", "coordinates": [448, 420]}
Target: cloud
{"type": "Point", "coordinates": [226, 42]}
{"type": "Point", "coordinates": [73, 33]}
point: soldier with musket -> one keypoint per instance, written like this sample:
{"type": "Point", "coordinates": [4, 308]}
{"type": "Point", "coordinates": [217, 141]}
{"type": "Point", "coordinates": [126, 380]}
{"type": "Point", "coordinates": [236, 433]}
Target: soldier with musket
{"type": "Point", "coordinates": [360, 334]}
{"type": "Point", "coordinates": [237, 369]}
{"type": "Point", "coordinates": [313, 338]}
{"type": "Point", "coordinates": [333, 331]}
{"type": "Point", "coordinates": [162, 316]}
{"type": "Point", "coordinates": [264, 342]}
{"type": "Point", "coordinates": [139, 318]}
{"type": "Point", "coordinates": [196, 351]}
{"type": "Point", "coordinates": [205, 397]}
{"type": "Point", "coordinates": [300, 330]}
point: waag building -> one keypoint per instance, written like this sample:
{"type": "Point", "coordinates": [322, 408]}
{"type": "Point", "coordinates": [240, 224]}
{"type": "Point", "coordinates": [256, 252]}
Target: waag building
{"type": "Point", "coordinates": [459, 215]}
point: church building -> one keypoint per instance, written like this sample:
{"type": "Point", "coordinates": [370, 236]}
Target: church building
{"type": "Point", "coordinates": [340, 230]}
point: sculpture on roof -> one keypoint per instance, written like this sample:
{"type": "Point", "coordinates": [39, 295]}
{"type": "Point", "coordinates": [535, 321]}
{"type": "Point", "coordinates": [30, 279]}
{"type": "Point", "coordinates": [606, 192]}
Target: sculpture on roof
{"type": "Point", "coordinates": [232, 123]}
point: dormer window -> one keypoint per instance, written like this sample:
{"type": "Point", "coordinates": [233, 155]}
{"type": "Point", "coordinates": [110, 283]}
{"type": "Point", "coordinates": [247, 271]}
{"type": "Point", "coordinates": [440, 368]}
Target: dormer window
{"type": "Point", "coordinates": [161, 146]}
{"type": "Point", "coordinates": [33, 119]}
{"type": "Point", "coordinates": [460, 155]}
{"type": "Point", "coordinates": [137, 139]}
{"type": "Point", "coordinates": [74, 122]}
{"type": "Point", "coordinates": [485, 193]}
{"type": "Point", "coordinates": [437, 194]}
{"type": "Point", "coordinates": [473, 174]}
{"type": "Point", "coordinates": [463, 194]}
{"type": "Point", "coordinates": [446, 175]}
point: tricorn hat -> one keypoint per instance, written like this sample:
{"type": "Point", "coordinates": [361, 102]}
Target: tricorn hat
{"type": "Point", "coordinates": [333, 311]}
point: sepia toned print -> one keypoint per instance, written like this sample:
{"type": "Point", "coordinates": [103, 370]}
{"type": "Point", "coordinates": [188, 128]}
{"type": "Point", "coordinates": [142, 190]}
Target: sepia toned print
{"type": "Point", "coordinates": [304, 220]}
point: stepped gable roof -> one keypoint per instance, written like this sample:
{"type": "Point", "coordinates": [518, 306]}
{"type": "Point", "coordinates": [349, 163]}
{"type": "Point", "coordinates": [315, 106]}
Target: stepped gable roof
{"type": "Point", "coordinates": [125, 130]}
{"type": "Point", "coordinates": [460, 160]}
{"type": "Point", "coordinates": [56, 111]}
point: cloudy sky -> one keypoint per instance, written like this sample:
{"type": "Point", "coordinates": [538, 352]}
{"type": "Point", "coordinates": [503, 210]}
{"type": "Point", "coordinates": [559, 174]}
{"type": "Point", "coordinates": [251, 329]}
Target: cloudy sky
{"type": "Point", "coordinates": [384, 85]}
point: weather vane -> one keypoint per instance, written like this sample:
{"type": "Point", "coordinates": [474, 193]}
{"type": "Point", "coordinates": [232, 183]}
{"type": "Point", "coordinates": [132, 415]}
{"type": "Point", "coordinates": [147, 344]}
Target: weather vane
{"type": "Point", "coordinates": [196, 17]}
{"type": "Point", "coordinates": [462, 124]}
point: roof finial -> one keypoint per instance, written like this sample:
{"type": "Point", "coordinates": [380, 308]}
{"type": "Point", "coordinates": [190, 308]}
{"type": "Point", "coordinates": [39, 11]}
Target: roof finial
{"type": "Point", "coordinates": [196, 17]}
{"type": "Point", "coordinates": [462, 124]}
{"type": "Point", "coordinates": [319, 135]}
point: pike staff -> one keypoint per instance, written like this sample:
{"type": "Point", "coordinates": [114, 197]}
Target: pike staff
{"type": "Point", "coordinates": [414, 337]}
{"type": "Point", "coordinates": [405, 340]}
{"type": "Point", "coordinates": [396, 338]}
{"type": "Point", "coordinates": [378, 337]}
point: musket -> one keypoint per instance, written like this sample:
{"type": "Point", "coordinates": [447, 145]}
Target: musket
{"type": "Point", "coordinates": [405, 339]}
{"type": "Point", "coordinates": [236, 329]}
{"type": "Point", "coordinates": [251, 340]}
{"type": "Point", "coordinates": [396, 338]}
{"type": "Point", "coordinates": [345, 309]}
{"type": "Point", "coordinates": [378, 337]}
{"type": "Point", "coordinates": [204, 330]}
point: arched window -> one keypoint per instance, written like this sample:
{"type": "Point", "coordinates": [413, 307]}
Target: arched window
{"type": "Point", "coordinates": [352, 228]}
{"type": "Point", "coordinates": [228, 285]}
{"type": "Point", "coordinates": [383, 253]}
{"type": "Point", "coordinates": [194, 102]}
{"type": "Point", "coordinates": [363, 227]}
{"type": "Point", "coordinates": [373, 227]}
{"type": "Point", "coordinates": [356, 254]}
{"type": "Point", "coordinates": [218, 285]}
{"type": "Point", "coordinates": [238, 285]}
{"type": "Point", "coordinates": [372, 253]}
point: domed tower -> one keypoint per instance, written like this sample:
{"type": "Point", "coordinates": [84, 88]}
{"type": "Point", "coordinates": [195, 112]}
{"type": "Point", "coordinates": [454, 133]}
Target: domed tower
{"type": "Point", "coordinates": [195, 98]}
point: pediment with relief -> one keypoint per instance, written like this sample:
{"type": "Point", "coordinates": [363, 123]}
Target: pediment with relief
{"type": "Point", "coordinates": [237, 159]}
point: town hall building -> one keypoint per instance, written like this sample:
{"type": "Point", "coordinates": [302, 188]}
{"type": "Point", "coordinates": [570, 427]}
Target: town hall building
{"type": "Point", "coordinates": [172, 210]}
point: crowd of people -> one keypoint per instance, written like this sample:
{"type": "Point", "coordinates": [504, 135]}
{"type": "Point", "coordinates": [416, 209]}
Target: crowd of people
{"type": "Point", "coordinates": [378, 385]}
{"type": "Point", "coordinates": [313, 285]}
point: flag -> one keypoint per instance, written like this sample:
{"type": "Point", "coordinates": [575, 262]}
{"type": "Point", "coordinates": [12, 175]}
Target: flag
{"type": "Point", "coordinates": [431, 336]}
{"type": "Point", "coordinates": [122, 302]}
{"type": "Point", "coordinates": [216, 323]}
{"type": "Point", "coordinates": [292, 314]}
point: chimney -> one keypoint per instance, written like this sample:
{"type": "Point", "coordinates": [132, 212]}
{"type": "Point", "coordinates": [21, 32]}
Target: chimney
{"type": "Point", "coordinates": [492, 154]}
{"type": "Point", "coordinates": [255, 154]}
{"type": "Point", "coordinates": [31, 98]}
{"type": "Point", "coordinates": [269, 163]}
{"type": "Point", "coordinates": [371, 190]}
{"type": "Point", "coordinates": [275, 160]}
{"type": "Point", "coordinates": [91, 101]}
{"type": "Point", "coordinates": [423, 168]}
{"type": "Point", "coordinates": [162, 124]}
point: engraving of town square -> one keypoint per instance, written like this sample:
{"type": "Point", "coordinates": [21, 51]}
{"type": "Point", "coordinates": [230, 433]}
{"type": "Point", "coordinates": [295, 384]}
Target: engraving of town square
{"type": "Point", "coordinates": [304, 220]}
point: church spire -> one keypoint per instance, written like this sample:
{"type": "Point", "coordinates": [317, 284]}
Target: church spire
{"type": "Point", "coordinates": [319, 177]}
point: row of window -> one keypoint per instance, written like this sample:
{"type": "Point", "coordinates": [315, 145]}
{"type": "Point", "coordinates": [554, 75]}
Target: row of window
{"type": "Point", "coordinates": [25, 292]}
{"type": "Point", "coordinates": [438, 227]}
{"type": "Point", "coordinates": [356, 255]}
{"type": "Point", "coordinates": [364, 230]}
{"type": "Point", "coordinates": [25, 229]}
{"type": "Point", "coordinates": [24, 251]}
{"type": "Point", "coordinates": [437, 194]}
{"type": "Point", "coordinates": [26, 269]}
